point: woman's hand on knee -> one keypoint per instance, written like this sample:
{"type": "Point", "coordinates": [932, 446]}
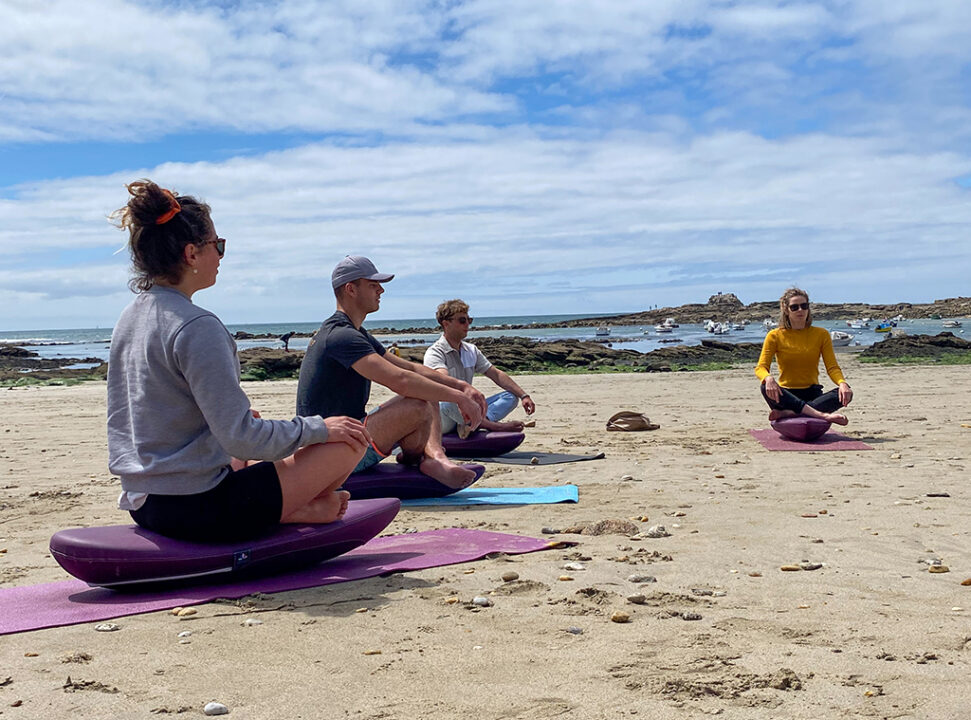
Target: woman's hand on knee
{"type": "Point", "coordinates": [845, 394]}
{"type": "Point", "coordinates": [772, 389]}
{"type": "Point", "coordinates": [347, 430]}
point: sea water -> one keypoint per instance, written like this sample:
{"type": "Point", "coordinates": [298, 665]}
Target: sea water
{"type": "Point", "coordinates": [95, 342]}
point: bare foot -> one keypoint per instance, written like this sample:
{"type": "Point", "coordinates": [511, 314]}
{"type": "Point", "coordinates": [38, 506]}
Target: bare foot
{"type": "Point", "coordinates": [837, 419]}
{"type": "Point", "coordinates": [512, 426]}
{"type": "Point", "coordinates": [323, 509]}
{"type": "Point", "coordinates": [447, 472]}
{"type": "Point", "coordinates": [777, 414]}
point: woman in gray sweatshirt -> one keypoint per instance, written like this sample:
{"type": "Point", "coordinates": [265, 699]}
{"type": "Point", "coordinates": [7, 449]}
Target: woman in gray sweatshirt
{"type": "Point", "coordinates": [195, 461]}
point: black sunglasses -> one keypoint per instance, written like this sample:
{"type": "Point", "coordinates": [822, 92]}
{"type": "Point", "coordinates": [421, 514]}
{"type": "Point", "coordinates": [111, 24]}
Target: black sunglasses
{"type": "Point", "coordinates": [220, 244]}
{"type": "Point", "coordinates": [463, 320]}
{"type": "Point", "coordinates": [799, 306]}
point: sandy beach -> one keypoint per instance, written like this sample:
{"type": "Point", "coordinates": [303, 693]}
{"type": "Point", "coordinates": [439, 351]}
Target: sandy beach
{"type": "Point", "coordinates": [723, 631]}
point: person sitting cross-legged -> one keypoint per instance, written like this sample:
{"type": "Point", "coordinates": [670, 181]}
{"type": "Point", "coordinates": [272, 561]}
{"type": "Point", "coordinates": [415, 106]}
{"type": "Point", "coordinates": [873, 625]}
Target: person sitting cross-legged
{"type": "Point", "coordinates": [452, 356]}
{"type": "Point", "coordinates": [343, 359]}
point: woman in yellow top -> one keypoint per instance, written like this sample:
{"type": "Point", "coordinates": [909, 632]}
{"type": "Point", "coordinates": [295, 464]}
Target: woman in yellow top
{"type": "Point", "coordinates": [797, 347]}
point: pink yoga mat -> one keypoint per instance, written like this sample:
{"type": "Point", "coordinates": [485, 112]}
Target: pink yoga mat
{"type": "Point", "coordinates": [771, 440]}
{"type": "Point", "coordinates": [71, 601]}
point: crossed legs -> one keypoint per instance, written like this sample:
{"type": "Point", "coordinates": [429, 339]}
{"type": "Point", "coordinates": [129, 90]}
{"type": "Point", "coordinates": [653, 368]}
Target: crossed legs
{"type": "Point", "coordinates": [415, 426]}
{"type": "Point", "coordinates": [811, 401]}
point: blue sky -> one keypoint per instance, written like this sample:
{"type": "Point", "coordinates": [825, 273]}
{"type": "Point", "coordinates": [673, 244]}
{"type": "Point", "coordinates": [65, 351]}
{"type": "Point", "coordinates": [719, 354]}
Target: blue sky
{"type": "Point", "coordinates": [562, 156]}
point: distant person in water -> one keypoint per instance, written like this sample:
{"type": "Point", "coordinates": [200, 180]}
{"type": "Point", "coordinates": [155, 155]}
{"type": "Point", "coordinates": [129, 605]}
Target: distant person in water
{"type": "Point", "coordinates": [342, 360]}
{"type": "Point", "coordinates": [285, 339]}
{"type": "Point", "coordinates": [451, 355]}
{"type": "Point", "coordinates": [195, 460]}
{"type": "Point", "coordinates": [797, 346]}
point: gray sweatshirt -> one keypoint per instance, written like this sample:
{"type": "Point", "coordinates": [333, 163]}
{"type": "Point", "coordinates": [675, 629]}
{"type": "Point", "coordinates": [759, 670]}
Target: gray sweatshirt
{"type": "Point", "coordinates": [176, 411]}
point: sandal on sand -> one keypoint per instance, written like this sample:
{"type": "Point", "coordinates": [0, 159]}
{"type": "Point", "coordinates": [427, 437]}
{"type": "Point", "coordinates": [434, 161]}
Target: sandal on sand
{"type": "Point", "coordinates": [630, 421]}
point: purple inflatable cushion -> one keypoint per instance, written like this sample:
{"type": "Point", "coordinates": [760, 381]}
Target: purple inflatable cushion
{"type": "Point", "coordinates": [801, 429]}
{"type": "Point", "coordinates": [481, 443]}
{"type": "Point", "coordinates": [406, 482]}
{"type": "Point", "coordinates": [122, 556]}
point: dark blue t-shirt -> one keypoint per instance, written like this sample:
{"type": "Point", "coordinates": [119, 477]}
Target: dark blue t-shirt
{"type": "Point", "coordinates": [328, 386]}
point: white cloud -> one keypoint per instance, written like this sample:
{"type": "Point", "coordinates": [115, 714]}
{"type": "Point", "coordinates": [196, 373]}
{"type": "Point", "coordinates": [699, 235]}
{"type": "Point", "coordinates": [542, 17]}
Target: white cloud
{"type": "Point", "coordinates": [513, 214]}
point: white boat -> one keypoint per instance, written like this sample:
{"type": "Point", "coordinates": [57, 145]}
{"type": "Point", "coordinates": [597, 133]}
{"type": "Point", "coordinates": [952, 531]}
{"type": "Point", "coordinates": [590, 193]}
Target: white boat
{"type": "Point", "coordinates": [738, 326]}
{"type": "Point", "coordinates": [840, 338]}
{"type": "Point", "coordinates": [769, 323]}
{"type": "Point", "coordinates": [951, 323]}
{"type": "Point", "coordinates": [669, 323]}
{"type": "Point", "coordinates": [603, 331]}
{"type": "Point", "coordinates": [857, 324]}
{"type": "Point", "coordinates": [663, 329]}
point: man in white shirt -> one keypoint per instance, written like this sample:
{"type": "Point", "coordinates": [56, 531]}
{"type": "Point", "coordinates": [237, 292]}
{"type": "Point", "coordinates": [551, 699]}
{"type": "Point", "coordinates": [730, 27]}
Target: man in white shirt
{"type": "Point", "coordinates": [452, 356]}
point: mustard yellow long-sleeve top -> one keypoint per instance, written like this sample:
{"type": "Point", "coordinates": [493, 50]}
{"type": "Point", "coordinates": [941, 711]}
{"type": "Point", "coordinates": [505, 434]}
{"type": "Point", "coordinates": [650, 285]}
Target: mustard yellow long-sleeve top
{"type": "Point", "coordinates": [797, 354]}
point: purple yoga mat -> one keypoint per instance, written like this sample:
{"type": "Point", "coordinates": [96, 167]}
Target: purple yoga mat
{"type": "Point", "coordinates": [69, 602]}
{"type": "Point", "coordinates": [771, 440]}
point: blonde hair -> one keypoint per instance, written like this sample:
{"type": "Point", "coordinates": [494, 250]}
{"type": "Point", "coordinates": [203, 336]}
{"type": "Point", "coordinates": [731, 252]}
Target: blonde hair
{"type": "Point", "coordinates": [784, 321]}
{"type": "Point", "coordinates": [448, 309]}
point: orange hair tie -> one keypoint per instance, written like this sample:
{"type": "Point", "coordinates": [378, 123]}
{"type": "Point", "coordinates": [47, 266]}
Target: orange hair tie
{"type": "Point", "coordinates": [171, 212]}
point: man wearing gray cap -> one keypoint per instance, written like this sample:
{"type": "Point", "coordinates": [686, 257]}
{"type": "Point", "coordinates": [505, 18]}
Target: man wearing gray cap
{"type": "Point", "coordinates": [343, 358]}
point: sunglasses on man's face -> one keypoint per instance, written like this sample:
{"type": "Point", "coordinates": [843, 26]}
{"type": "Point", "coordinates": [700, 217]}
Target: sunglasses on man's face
{"type": "Point", "coordinates": [798, 306]}
{"type": "Point", "coordinates": [220, 244]}
{"type": "Point", "coordinates": [463, 320]}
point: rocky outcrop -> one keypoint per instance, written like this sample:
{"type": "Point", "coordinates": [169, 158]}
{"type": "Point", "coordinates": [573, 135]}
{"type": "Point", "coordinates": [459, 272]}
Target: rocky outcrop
{"type": "Point", "coordinates": [922, 346]}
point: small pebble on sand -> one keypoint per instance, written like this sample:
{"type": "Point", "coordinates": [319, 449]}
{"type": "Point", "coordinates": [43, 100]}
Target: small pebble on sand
{"type": "Point", "coordinates": [215, 708]}
{"type": "Point", "coordinates": [452, 600]}
{"type": "Point", "coordinates": [655, 531]}
{"type": "Point", "coordinates": [564, 578]}
{"type": "Point", "coordinates": [187, 612]}
{"type": "Point", "coordinates": [966, 583]}
{"type": "Point", "coordinates": [810, 565]}
{"type": "Point", "coordinates": [755, 573]}
{"type": "Point", "coordinates": [252, 622]}
{"type": "Point", "coordinates": [620, 616]}
{"type": "Point", "coordinates": [510, 575]}
{"type": "Point", "coordinates": [574, 566]}
{"type": "Point", "coordinates": [361, 610]}
{"type": "Point", "coordinates": [574, 630]}
{"type": "Point", "coordinates": [938, 569]}
{"type": "Point", "coordinates": [637, 599]}
{"type": "Point", "coordinates": [534, 460]}
{"type": "Point", "coordinates": [372, 652]}
{"type": "Point", "coordinates": [480, 601]}
{"type": "Point", "coordinates": [638, 578]}
{"type": "Point", "coordinates": [185, 634]}
{"type": "Point", "coordinates": [550, 531]}
{"type": "Point", "coordinates": [107, 627]}
{"type": "Point", "coordinates": [690, 616]}
{"type": "Point", "coordinates": [790, 568]}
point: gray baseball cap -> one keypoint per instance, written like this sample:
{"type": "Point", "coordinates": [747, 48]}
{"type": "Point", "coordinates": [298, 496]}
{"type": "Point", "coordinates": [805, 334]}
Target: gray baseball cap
{"type": "Point", "coordinates": [356, 267]}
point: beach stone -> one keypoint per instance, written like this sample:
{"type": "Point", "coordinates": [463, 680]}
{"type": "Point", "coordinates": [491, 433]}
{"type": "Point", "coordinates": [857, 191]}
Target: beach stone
{"type": "Point", "coordinates": [755, 573]}
{"type": "Point", "coordinates": [702, 592]}
{"type": "Point", "coordinates": [215, 708]}
{"type": "Point", "coordinates": [938, 569]}
{"type": "Point", "coordinates": [107, 627]}
{"type": "Point", "coordinates": [690, 616]}
{"type": "Point", "coordinates": [185, 634]}
{"type": "Point", "coordinates": [790, 568]}
{"type": "Point", "coordinates": [187, 612]}
{"type": "Point", "coordinates": [574, 566]}
{"type": "Point", "coordinates": [810, 565]}
{"type": "Point", "coordinates": [480, 601]}
{"type": "Point", "coordinates": [627, 478]}
{"type": "Point", "coordinates": [603, 527]}
{"type": "Point", "coordinates": [372, 652]}
{"type": "Point", "coordinates": [637, 599]}
{"type": "Point", "coordinates": [564, 578]}
{"type": "Point", "coordinates": [966, 582]}
{"type": "Point", "coordinates": [656, 531]}
{"type": "Point", "coordinates": [639, 578]}
{"type": "Point", "coordinates": [574, 630]}
{"type": "Point", "coordinates": [534, 460]}
{"type": "Point", "coordinates": [620, 616]}
{"type": "Point", "coordinates": [252, 622]}
{"type": "Point", "coordinates": [510, 575]}
{"type": "Point", "coordinates": [550, 531]}
{"type": "Point", "coordinates": [451, 600]}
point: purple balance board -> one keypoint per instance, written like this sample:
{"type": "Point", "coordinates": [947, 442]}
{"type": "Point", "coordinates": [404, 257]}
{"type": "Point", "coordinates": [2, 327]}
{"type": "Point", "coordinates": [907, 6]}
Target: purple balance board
{"type": "Point", "coordinates": [801, 429]}
{"type": "Point", "coordinates": [394, 480]}
{"type": "Point", "coordinates": [122, 556]}
{"type": "Point", "coordinates": [481, 443]}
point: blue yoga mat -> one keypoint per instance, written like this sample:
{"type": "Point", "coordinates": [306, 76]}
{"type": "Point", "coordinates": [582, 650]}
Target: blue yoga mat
{"type": "Point", "coordinates": [503, 496]}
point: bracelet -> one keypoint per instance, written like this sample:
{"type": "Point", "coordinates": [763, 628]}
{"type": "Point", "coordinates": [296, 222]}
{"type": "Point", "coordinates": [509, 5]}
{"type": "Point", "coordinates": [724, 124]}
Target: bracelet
{"type": "Point", "coordinates": [523, 397]}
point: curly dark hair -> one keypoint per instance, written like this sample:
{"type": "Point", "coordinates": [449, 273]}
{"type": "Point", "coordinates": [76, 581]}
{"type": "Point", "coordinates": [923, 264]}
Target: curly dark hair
{"type": "Point", "coordinates": [160, 224]}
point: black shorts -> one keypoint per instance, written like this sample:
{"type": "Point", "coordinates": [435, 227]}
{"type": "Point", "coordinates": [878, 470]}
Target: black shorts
{"type": "Point", "coordinates": [243, 505]}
